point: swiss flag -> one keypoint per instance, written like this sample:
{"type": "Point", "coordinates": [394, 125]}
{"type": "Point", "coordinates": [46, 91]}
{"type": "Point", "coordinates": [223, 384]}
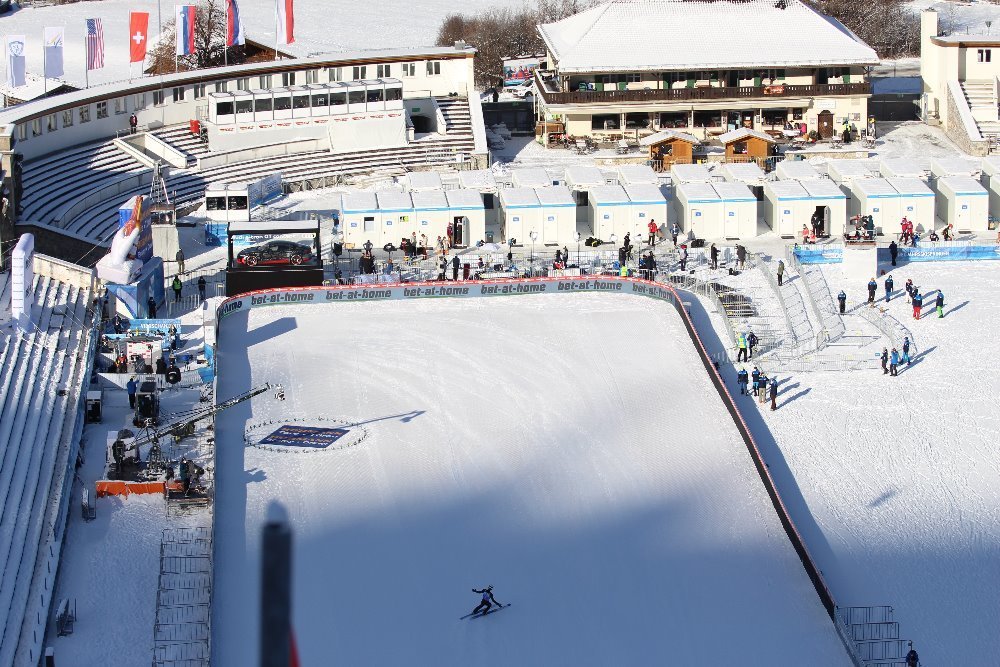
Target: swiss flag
{"type": "Point", "coordinates": [138, 29]}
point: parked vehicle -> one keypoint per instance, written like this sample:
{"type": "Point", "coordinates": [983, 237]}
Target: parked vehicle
{"type": "Point", "coordinates": [275, 253]}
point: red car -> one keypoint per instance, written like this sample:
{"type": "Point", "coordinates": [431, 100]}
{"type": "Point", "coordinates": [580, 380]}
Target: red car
{"type": "Point", "coordinates": [275, 252]}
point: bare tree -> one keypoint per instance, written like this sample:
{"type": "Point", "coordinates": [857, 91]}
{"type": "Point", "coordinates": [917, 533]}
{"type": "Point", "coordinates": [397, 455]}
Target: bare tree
{"type": "Point", "coordinates": [209, 41]}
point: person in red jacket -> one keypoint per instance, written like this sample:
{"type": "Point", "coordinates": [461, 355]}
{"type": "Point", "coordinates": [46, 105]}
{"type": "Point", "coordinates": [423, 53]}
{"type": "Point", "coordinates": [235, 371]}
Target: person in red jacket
{"type": "Point", "coordinates": [652, 232]}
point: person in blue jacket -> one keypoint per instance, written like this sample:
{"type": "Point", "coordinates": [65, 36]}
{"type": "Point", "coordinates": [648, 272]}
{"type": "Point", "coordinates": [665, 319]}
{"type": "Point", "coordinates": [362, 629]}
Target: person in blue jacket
{"type": "Point", "coordinates": [893, 362]}
{"type": "Point", "coordinates": [888, 288]}
{"type": "Point", "coordinates": [918, 302]}
{"type": "Point", "coordinates": [741, 380]}
{"type": "Point", "coordinates": [755, 376]}
{"type": "Point", "coordinates": [487, 601]}
{"type": "Point", "coordinates": [842, 300]}
{"type": "Point", "coordinates": [130, 387]}
{"type": "Point", "coordinates": [939, 304]}
{"type": "Point", "coordinates": [906, 350]}
{"type": "Point", "coordinates": [872, 286]}
{"type": "Point", "coordinates": [773, 390]}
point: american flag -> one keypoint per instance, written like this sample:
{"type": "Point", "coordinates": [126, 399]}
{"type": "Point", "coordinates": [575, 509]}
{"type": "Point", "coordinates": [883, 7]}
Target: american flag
{"type": "Point", "coordinates": [95, 44]}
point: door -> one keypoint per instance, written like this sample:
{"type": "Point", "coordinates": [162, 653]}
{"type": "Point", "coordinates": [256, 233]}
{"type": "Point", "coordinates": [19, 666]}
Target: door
{"type": "Point", "coordinates": [459, 224]}
{"type": "Point", "coordinates": [827, 230]}
{"type": "Point", "coordinates": [822, 76]}
{"type": "Point", "coordinates": [786, 221]}
{"type": "Point", "coordinates": [695, 218]}
{"type": "Point", "coordinates": [731, 222]}
{"type": "Point", "coordinates": [963, 214]}
{"type": "Point", "coordinates": [825, 124]}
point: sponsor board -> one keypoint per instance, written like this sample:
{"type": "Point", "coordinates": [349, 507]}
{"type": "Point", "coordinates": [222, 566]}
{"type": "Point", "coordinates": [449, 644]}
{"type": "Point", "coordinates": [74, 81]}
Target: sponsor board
{"type": "Point", "coordinates": [925, 253]}
{"type": "Point", "coordinates": [304, 436]}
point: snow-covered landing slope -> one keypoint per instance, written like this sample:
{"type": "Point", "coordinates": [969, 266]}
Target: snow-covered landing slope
{"type": "Point", "coordinates": [569, 449]}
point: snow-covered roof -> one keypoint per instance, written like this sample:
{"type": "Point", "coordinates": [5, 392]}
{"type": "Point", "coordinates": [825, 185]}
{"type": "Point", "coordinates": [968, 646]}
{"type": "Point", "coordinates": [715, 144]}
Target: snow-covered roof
{"type": "Point", "coordinates": [424, 180]}
{"type": "Point", "coordinates": [847, 170]}
{"type": "Point", "coordinates": [607, 195]}
{"type": "Point", "coordinates": [34, 87]}
{"type": "Point", "coordinates": [645, 193]}
{"type": "Point", "coordinates": [901, 167]}
{"type": "Point", "coordinates": [534, 177]}
{"type": "Point", "coordinates": [555, 195]}
{"type": "Point", "coordinates": [911, 187]}
{"type": "Point", "coordinates": [743, 133]}
{"type": "Point", "coordinates": [991, 165]}
{"type": "Point", "coordinates": [429, 200]}
{"type": "Point", "coordinates": [961, 185]}
{"type": "Point", "coordinates": [518, 197]}
{"type": "Point", "coordinates": [637, 173]}
{"type": "Point", "coordinates": [787, 189]}
{"type": "Point", "coordinates": [733, 192]}
{"type": "Point", "coordinates": [698, 192]}
{"type": "Point", "coordinates": [459, 199]}
{"type": "Point", "coordinates": [690, 173]}
{"type": "Point", "coordinates": [658, 35]}
{"type": "Point", "coordinates": [954, 166]}
{"type": "Point", "coordinates": [743, 172]}
{"type": "Point", "coordinates": [873, 187]}
{"type": "Point", "coordinates": [584, 176]}
{"type": "Point", "coordinates": [477, 179]}
{"type": "Point", "coordinates": [359, 201]}
{"type": "Point", "coordinates": [796, 170]}
{"type": "Point", "coordinates": [822, 188]}
{"type": "Point", "coordinates": [667, 135]}
{"type": "Point", "coordinates": [393, 200]}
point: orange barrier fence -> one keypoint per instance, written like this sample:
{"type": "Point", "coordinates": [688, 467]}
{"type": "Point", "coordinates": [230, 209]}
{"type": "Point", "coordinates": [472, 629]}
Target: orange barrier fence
{"type": "Point", "coordinates": [107, 487]}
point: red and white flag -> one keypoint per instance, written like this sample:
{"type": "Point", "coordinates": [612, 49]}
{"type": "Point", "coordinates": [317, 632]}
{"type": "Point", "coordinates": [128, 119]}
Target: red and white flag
{"type": "Point", "coordinates": [138, 30]}
{"type": "Point", "coordinates": [286, 22]}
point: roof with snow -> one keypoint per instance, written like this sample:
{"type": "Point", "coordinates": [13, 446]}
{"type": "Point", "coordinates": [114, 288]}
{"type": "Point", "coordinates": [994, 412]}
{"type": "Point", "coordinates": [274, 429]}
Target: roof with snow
{"type": "Point", "coordinates": [607, 195]}
{"type": "Point", "coordinates": [645, 193]}
{"type": "Point", "coordinates": [359, 201]}
{"type": "Point", "coordinates": [459, 199]}
{"type": "Point", "coordinates": [796, 170]}
{"type": "Point", "coordinates": [787, 189]}
{"type": "Point", "coordinates": [991, 165]}
{"type": "Point", "coordinates": [518, 198]}
{"type": "Point", "coordinates": [743, 172]}
{"type": "Point", "coordinates": [477, 179]}
{"type": "Point", "coordinates": [698, 192]}
{"type": "Point", "coordinates": [424, 180]}
{"type": "Point", "coordinates": [392, 200]}
{"type": "Point", "coordinates": [733, 191]}
{"type": "Point", "coordinates": [429, 200]}
{"type": "Point", "coordinates": [744, 133]}
{"type": "Point", "coordinates": [911, 187]}
{"type": "Point", "coordinates": [34, 87]}
{"type": "Point", "coordinates": [901, 167]}
{"type": "Point", "coordinates": [534, 177]}
{"type": "Point", "coordinates": [690, 173]}
{"type": "Point", "coordinates": [583, 175]}
{"type": "Point", "coordinates": [822, 188]}
{"type": "Point", "coordinates": [961, 185]}
{"type": "Point", "coordinates": [668, 135]}
{"type": "Point", "coordinates": [845, 170]}
{"type": "Point", "coordinates": [657, 35]}
{"type": "Point", "coordinates": [873, 187]}
{"type": "Point", "coordinates": [637, 173]}
{"type": "Point", "coordinates": [954, 166]}
{"type": "Point", "coordinates": [556, 195]}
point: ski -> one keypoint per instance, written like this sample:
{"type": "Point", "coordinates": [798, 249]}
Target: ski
{"type": "Point", "coordinates": [490, 611]}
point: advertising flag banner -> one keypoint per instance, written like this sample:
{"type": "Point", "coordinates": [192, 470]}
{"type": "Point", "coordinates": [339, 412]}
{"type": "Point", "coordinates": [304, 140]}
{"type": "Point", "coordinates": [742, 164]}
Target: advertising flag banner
{"type": "Point", "coordinates": [54, 38]}
{"type": "Point", "coordinates": [138, 30]}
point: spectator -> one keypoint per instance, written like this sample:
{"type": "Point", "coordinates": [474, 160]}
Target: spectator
{"type": "Point", "coordinates": [918, 302]}
{"type": "Point", "coordinates": [454, 267]}
{"type": "Point", "coordinates": [652, 233]}
{"type": "Point", "coordinates": [741, 380]}
{"type": "Point", "coordinates": [151, 308]}
{"type": "Point", "coordinates": [368, 247]}
{"type": "Point", "coordinates": [893, 252]}
{"type": "Point", "coordinates": [684, 256]}
{"type": "Point", "coordinates": [781, 272]}
{"type": "Point", "coordinates": [388, 268]}
{"type": "Point", "coordinates": [675, 231]}
{"type": "Point", "coordinates": [752, 341]}
{"type": "Point", "coordinates": [888, 288]}
{"type": "Point", "coordinates": [450, 231]}
{"type": "Point", "coordinates": [842, 300]}
{"type": "Point", "coordinates": [872, 286]}
{"type": "Point", "coordinates": [201, 287]}
{"type": "Point", "coordinates": [905, 358]}
{"type": "Point", "coordinates": [885, 361]}
{"type": "Point", "coordinates": [177, 286]}
{"type": "Point", "coordinates": [133, 123]}
{"type": "Point", "coordinates": [741, 347]}
{"type": "Point", "coordinates": [774, 394]}
{"type": "Point", "coordinates": [131, 387]}
{"type": "Point", "coordinates": [441, 247]}
{"type": "Point", "coordinates": [741, 256]}
{"type": "Point", "coordinates": [909, 288]}
{"type": "Point", "coordinates": [805, 235]}
{"type": "Point", "coordinates": [180, 260]}
{"type": "Point", "coordinates": [755, 377]}
{"type": "Point", "coordinates": [442, 267]}
{"type": "Point", "coordinates": [714, 253]}
{"type": "Point", "coordinates": [939, 304]}
{"type": "Point", "coordinates": [118, 323]}
{"type": "Point", "coordinates": [893, 362]}
{"type": "Point", "coordinates": [423, 245]}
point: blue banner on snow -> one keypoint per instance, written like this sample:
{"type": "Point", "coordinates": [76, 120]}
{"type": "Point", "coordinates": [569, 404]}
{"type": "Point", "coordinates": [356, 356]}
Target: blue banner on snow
{"type": "Point", "coordinates": [833, 255]}
{"type": "Point", "coordinates": [941, 253]}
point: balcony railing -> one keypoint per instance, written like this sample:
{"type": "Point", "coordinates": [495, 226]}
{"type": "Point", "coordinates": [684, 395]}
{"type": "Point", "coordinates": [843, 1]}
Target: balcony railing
{"type": "Point", "coordinates": [688, 94]}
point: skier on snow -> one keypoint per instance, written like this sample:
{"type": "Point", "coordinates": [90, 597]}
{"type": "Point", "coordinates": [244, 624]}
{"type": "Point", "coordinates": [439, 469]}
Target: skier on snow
{"type": "Point", "coordinates": [487, 602]}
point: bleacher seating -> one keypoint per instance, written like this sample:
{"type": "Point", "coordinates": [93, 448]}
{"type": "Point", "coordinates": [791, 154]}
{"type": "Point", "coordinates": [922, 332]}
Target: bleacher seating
{"type": "Point", "coordinates": [51, 179]}
{"type": "Point", "coordinates": [41, 375]}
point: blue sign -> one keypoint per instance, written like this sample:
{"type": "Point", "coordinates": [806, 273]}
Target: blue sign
{"type": "Point", "coordinates": [304, 436]}
{"type": "Point", "coordinates": [943, 253]}
{"type": "Point", "coordinates": [819, 255]}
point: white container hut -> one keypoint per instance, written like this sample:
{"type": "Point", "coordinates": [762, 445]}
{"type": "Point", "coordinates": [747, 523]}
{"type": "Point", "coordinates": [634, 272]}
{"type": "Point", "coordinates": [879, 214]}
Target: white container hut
{"type": "Point", "coordinates": [787, 207]}
{"type": "Point", "coordinates": [990, 179]}
{"type": "Point", "coordinates": [916, 203]}
{"type": "Point", "coordinates": [796, 170]}
{"type": "Point", "coordinates": [637, 174]}
{"type": "Point", "coordinates": [431, 214]}
{"type": "Point", "coordinates": [558, 215]}
{"type": "Point", "coordinates": [396, 215]}
{"type": "Point", "coordinates": [610, 212]}
{"type": "Point", "coordinates": [842, 172]}
{"type": "Point", "coordinates": [520, 212]}
{"type": "Point", "coordinates": [829, 201]}
{"type": "Point", "coordinates": [421, 181]}
{"type": "Point", "coordinates": [580, 179]}
{"type": "Point", "coordinates": [747, 173]}
{"type": "Point", "coordinates": [944, 167]}
{"type": "Point", "coordinates": [699, 210]}
{"type": "Point", "coordinates": [739, 210]}
{"type": "Point", "coordinates": [876, 197]}
{"type": "Point", "coordinates": [964, 203]}
{"type": "Point", "coordinates": [533, 177]}
{"type": "Point", "coordinates": [468, 216]}
{"type": "Point", "coordinates": [690, 173]}
{"type": "Point", "coordinates": [359, 218]}
{"type": "Point", "coordinates": [483, 181]}
{"type": "Point", "coordinates": [647, 203]}
{"type": "Point", "coordinates": [901, 168]}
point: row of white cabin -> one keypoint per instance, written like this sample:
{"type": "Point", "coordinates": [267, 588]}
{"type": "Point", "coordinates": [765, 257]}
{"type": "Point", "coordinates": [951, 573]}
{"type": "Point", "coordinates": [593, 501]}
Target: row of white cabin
{"type": "Point", "coordinates": [388, 216]}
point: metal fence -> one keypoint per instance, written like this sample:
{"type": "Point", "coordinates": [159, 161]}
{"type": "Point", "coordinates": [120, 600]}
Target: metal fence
{"type": "Point", "coordinates": [182, 631]}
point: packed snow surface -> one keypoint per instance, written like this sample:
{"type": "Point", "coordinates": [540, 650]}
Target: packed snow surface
{"type": "Point", "coordinates": [570, 450]}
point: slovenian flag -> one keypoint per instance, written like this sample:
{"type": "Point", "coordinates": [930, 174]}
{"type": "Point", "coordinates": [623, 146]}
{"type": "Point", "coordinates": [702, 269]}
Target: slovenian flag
{"type": "Point", "coordinates": [234, 26]}
{"type": "Point", "coordinates": [286, 22]}
{"type": "Point", "coordinates": [185, 30]}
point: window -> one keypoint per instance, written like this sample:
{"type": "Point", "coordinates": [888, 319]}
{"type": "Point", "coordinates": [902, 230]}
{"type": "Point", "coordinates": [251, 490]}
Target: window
{"type": "Point", "coordinates": [158, 98]}
{"type": "Point", "coordinates": [283, 103]}
{"type": "Point", "coordinates": [264, 80]}
{"type": "Point", "coordinates": [22, 132]}
{"type": "Point", "coordinates": [374, 95]}
{"type": "Point", "coordinates": [36, 128]}
{"type": "Point", "coordinates": [222, 87]}
{"type": "Point", "coordinates": [633, 77]}
{"type": "Point", "coordinates": [67, 118]}
{"type": "Point", "coordinates": [300, 101]}
{"type": "Point", "coordinates": [382, 71]}
{"type": "Point", "coordinates": [334, 74]}
{"type": "Point", "coordinates": [707, 119]}
{"type": "Point", "coordinates": [140, 101]}
{"type": "Point", "coordinates": [409, 69]}
{"type": "Point", "coordinates": [237, 203]}
{"type": "Point", "coordinates": [312, 76]}
{"type": "Point", "coordinates": [119, 105]}
{"type": "Point", "coordinates": [179, 94]}
{"type": "Point", "coordinates": [85, 114]}
{"type": "Point", "coordinates": [359, 73]}
{"type": "Point", "coordinates": [984, 55]}
{"type": "Point", "coordinates": [320, 100]}
{"type": "Point", "coordinates": [356, 97]}
{"type": "Point", "coordinates": [393, 94]}
{"type": "Point", "coordinates": [199, 91]}
{"type": "Point", "coordinates": [102, 110]}
{"type": "Point", "coordinates": [605, 122]}
{"type": "Point", "coordinates": [50, 123]}
{"type": "Point", "coordinates": [262, 104]}
{"type": "Point", "coordinates": [433, 67]}
{"type": "Point", "coordinates": [224, 109]}
{"type": "Point", "coordinates": [215, 203]}
{"type": "Point", "coordinates": [244, 106]}
{"type": "Point", "coordinates": [288, 78]}
{"type": "Point", "coordinates": [338, 99]}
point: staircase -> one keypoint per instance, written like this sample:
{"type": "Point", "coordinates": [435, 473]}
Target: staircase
{"type": "Point", "coordinates": [457, 118]}
{"type": "Point", "coordinates": [873, 636]}
{"type": "Point", "coordinates": [981, 97]}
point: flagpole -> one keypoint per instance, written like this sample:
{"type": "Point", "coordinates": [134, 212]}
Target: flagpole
{"type": "Point", "coordinates": [276, 30]}
{"type": "Point", "coordinates": [45, 66]}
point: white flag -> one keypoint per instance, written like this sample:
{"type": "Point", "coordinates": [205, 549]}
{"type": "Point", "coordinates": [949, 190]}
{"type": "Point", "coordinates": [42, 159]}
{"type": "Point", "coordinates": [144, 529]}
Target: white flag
{"type": "Point", "coordinates": [15, 60]}
{"type": "Point", "coordinates": [54, 52]}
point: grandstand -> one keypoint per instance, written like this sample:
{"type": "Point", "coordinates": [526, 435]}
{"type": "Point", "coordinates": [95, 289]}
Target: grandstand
{"type": "Point", "coordinates": [42, 374]}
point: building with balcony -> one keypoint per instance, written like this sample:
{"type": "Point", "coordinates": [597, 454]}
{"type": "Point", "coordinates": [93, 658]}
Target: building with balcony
{"type": "Point", "coordinates": [628, 68]}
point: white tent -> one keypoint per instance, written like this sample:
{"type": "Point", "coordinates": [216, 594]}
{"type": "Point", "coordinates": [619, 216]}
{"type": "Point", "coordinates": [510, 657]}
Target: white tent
{"type": "Point", "coordinates": [699, 210]}
{"type": "Point", "coordinates": [360, 219]}
{"type": "Point", "coordinates": [637, 174]}
{"type": "Point", "coordinates": [787, 207]}
{"type": "Point", "coordinates": [796, 170]}
{"type": "Point", "coordinates": [916, 202]}
{"type": "Point", "coordinates": [690, 173]}
{"type": "Point", "coordinates": [828, 200]}
{"type": "Point", "coordinates": [431, 214]}
{"type": "Point", "coordinates": [739, 210]}
{"type": "Point", "coordinates": [609, 211]}
{"type": "Point", "coordinates": [423, 180]}
{"type": "Point", "coordinates": [647, 204]}
{"type": "Point", "coordinates": [876, 197]}
{"type": "Point", "coordinates": [468, 216]}
{"type": "Point", "coordinates": [396, 213]}
{"type": "Point", "coordinates": [845, 171]}
{"type": "Point", "coordinates": [534, 177]}
{"type": "Point", "coordinates": [558, 215]}
{"type": "Point", "coordinates": [963, 202]}
{"type": "Point", "coordinates": [520, 212]}
{"type": "Point", "coordinates": [902, 168]}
